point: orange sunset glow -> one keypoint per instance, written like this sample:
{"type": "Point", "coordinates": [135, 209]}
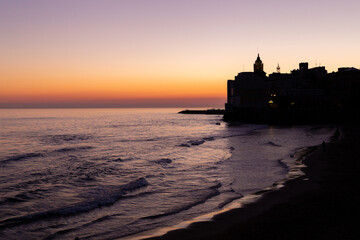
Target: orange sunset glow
{"type": "Point", "coordinates": [67, 52]}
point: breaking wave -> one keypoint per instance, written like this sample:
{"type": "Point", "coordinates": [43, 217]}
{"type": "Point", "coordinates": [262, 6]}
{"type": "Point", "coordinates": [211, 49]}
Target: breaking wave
{"type": "Point", "coordinates": [273, 144]}
{"type": "Point", "coordinates": [97, 198]}
{"type": "Point", "coordinates": [229, 200]}
{"type": "Point", "coordinates": [72, 149]}
{"type": "Point", "coordinates": [282, 164]}
{"type": "Point", "coordinates": [164, 162]}
{"type": "Point", "coordinates": [24, 156]}
{"type": "Point", "coordinates": [63, 138]}
{"type": "Point", "coordinates": [198, 196]}
{"type": "Point", "coordinates": [196, 142]}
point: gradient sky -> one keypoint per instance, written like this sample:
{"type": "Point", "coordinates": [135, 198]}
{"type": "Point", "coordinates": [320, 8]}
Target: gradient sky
{"type": "Point", "coordinates": [144, 53]}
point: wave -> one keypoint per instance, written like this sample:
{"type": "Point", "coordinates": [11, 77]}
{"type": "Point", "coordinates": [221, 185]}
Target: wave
{"type": "Point", "coordinates": [229, 200]}
{"type": "Point", "coordinates": [117, 160]}
{"type": "Point", "coordinates": [273, 144]}
{"type": "Point", "coordinates": [63, 138]}
{"type": "Point", "coordinates": [253, 131]}
{"type": "Point", "coordinates": [96, 198]}
{"type": "Point", "coordinates": [154, 139]}
{"type": "Point", "coordinates": [200, 195]}
{"type": "Point", "coordinates": [209, 138]}
{"type": "Point", "coordinates": [11, 200]}
{"type": "Point", "coordinates": [184, 145]}
{"type": "Point", "coordinates": [23, 157]}
{"type": "Point", "coordinates": [164, 162]}
{"type": "Point", "coordinates": [114, 158]}
{"type": "Point", "coordinates": [30, 118]}
{"type": "Point", "coordinates": [196, 142]}
{"type": "Point", "coordinates": [72, 149]}
{"type": "Point", "coordinates": [282, 164]}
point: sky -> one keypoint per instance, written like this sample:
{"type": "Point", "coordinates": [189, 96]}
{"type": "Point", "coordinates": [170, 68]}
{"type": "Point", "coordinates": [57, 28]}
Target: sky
{"type": "Point", "coordinates": [161, 53]}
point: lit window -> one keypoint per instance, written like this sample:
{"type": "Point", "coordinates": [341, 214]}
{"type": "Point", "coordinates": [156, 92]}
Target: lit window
{"type": "Point", "coordinates": [292, 104]}
{"type": "Point", "coordinates": [271, 102]}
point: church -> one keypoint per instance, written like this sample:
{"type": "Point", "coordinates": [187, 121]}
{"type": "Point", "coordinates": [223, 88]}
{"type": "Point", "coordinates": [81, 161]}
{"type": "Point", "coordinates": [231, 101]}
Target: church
{"type": "Point", "coordinates": [305, 94]}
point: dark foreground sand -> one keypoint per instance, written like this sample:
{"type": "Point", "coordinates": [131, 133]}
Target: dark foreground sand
{"type": "Point", "coordinates": [322, 204]}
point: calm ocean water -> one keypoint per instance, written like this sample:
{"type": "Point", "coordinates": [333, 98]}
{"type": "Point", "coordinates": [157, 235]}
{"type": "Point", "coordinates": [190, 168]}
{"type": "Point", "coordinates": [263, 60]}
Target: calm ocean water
{"type": "Point", "coordinates": [110, 173]}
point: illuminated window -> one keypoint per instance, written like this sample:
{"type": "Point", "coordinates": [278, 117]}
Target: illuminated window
{"type": "Point", "coordinates": [271, 102]}
{"type": "Point", "coordinates": [292, 104]}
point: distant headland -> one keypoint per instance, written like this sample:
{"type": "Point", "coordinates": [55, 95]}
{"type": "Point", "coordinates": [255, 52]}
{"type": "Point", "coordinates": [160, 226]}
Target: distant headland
{"type": "Point", "coordinates": [208, 111]}
{"type": "Point", "coordinates": [306, 95]}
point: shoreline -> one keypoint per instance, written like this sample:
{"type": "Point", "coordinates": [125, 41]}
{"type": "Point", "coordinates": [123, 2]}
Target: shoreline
{"type": "Point", "coordinates": [317, 205]}
{"type": "Point", "coordinates": [215, 224]}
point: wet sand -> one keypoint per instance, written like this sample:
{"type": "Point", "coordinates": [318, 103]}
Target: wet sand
{"type": "Point", "coordinates": [322, 204]}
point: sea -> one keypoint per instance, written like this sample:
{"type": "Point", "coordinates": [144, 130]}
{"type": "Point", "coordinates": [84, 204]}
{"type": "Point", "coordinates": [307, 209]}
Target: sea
{"type": "Point", "coordinates": [115, 173]}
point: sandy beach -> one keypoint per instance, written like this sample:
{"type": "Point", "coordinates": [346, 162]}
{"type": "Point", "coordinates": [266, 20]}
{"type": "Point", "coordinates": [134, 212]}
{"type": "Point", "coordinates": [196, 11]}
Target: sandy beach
{"type": "Point", "coordinates": [322, 204]}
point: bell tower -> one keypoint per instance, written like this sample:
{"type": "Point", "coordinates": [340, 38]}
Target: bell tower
{"type": "Point", "coordinates": [258, 65]}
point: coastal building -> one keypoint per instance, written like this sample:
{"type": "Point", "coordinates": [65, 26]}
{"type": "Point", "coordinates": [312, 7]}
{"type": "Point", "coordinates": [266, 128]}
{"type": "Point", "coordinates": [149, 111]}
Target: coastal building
{"type": "Point", "coordinates": [258, 65]}
{"type": "Point", "coordinates": [247, 92]}
{"type": "Point", "coordinates": [305, 94]}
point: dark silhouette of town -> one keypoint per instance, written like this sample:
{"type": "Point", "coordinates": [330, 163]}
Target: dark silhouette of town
{"type": "Point", "coordinates": [306, 95]}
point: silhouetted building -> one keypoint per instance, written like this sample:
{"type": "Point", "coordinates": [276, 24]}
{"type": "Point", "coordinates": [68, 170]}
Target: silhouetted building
{"type": "Point", "coordinates": [303, 66]}
{"type": "Point", "coordinates": [304, 95]}
{"type": "Point", "coordinates": [258, 65]}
